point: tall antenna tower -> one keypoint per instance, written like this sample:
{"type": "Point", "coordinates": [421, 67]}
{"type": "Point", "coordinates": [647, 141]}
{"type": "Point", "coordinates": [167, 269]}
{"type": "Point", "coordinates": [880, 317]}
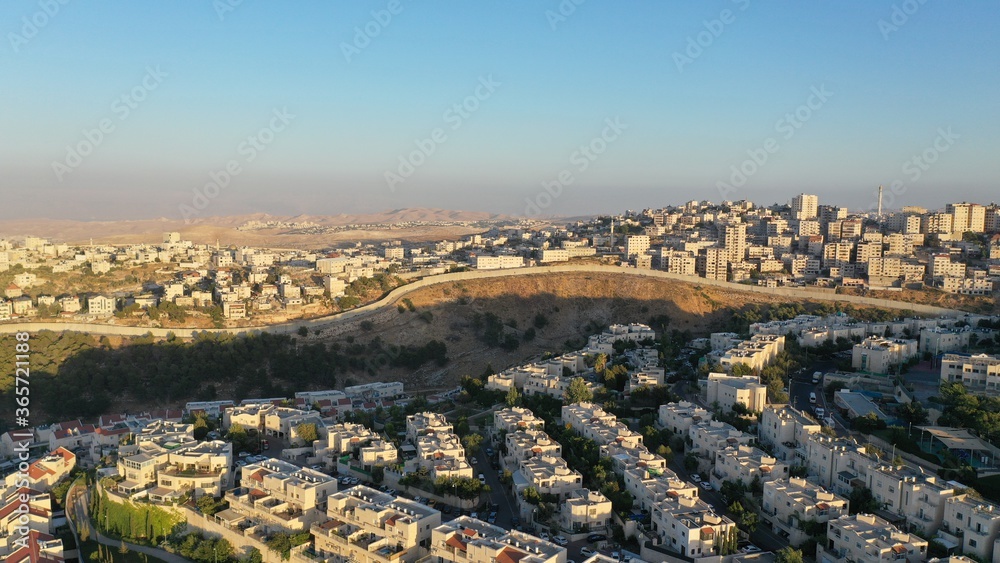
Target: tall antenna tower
{"type": "Point", "coordinates": [880, 201]}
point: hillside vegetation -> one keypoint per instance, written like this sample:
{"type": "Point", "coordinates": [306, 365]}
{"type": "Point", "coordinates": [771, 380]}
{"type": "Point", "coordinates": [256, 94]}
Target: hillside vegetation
{"type": "Point", "coordinates": [437, 335]}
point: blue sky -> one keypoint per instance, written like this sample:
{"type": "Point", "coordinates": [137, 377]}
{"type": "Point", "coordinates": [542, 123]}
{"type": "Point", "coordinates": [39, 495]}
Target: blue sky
{"type": "Point", "coordinates": [689, 114]}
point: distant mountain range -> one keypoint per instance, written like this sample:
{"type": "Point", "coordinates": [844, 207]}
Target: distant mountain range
{"type": "Point", "coordinates": [418, 224]}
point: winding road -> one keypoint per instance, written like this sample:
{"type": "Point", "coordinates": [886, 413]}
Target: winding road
{"type": "Point", "coordinates": [390, 300]}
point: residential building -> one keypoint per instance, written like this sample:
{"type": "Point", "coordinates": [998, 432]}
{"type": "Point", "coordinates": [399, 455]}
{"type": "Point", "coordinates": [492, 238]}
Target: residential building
{"type": "Point", "coordinates": [786, 430]}
{"type": "Point", "coordinates": [549, 474]}
{"type": "Point", "coordinates": [864, 537]}
{"type": "Point", "coordinates": [281, 494]}
{"type": "Point", "coordinates": [585, 511]}
{"type": "Point", "coordinates": [788, 504]}
{"type": "Point", "coordinates": [745, 464]}
{"type": "Point", "coordinates": [882, 355]}
{"type": "Point", "coordinates": [426, 422]}
{"type": "Point", "coordinates": [727, 391]}
{"type": "Point", "coordinates": [711, 436]}
{"type": "Point", "coordinates": [977, 372]}
{"type": "Point", "coordinates": [975, 523]}
{"type": "Point", "coordinates": [678, 417]}
{"type": "Point", "coordinates": [690, 526]}
{"type": "Point", "coordinates": [468, 540]}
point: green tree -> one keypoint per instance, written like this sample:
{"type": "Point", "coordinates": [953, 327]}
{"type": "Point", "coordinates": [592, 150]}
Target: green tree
{"type": "Point", "coordinates": [578, 392]}
{"type": "Point", "coordinates": [472, 443]}
{"type": "Point", "coordinates": [600, 363]}
{"type": "Point", "coordinates": [513, 397]}
{"type": "Point", "coordinates": [307, 432]}
{"type": "Point", "coordinates": [378, 474]}
{"type": "Point", "coordinates": [788, 554]}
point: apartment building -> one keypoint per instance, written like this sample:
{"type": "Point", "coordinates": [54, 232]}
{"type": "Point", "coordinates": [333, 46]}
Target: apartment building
{"type": "Point", "coordinates": [959, 285]}
{"type": "Point", "coordinates": [526, 444]}
{"type": "Point", "coordinates": [378, 452]}
{"type": "Point", "coordinates": [101, 306]}
{"type": "Point", "coordinates": [625, 457]}
{"type": "Point", "coordinates": [786, 430]}
{"type": "Point", "coordinates": [978, 372]}
{"type": "Point", "coordinates": [636, 245]}
{"type": "Point", "coordinates": [585, 511]}
{"type": "Point", "coordinates": [756, 353]}
{"type": "Point", "coordinates": [424, 423]}
{"type": "Point", "coordinates": [378, 390]}
{"type": "Point", "coordinates": [468, 540]}
{"type": "Point", "coordinates": [710, 437]}
{"type": "Point", "coordinates": [512, 419]}
{"type": "Point", "coordinates": [864, 537]}
{"type": "Point", "coordinates": [201, 468]}
{"type": "Point", "coordinates": [650, 486]}
{"type": "Point", "coordinates": [788, 503]}
{"type": "Point", "coordinates": [282, 494]}
{"type": "Point", "coordinates": [939, 340]}
{"type": "Point", "coordinates": [398, 520]}
{"type": "Point", "coordinates": [678, 417]}
{"type": "Point", "coordinates": [167, 465]}
{"type": "Point", "coordinates": [347, 437]}
{"type": "Point", "coordinates": [283, 422]}
{"type": "Point", "coordinates": [745, 464]}
{"type": "Point", "coordinates": [442, 454]}
{"type": "Point", "coordinates": [548, 474]}
{"type": "Point", "coordinates": [881, 355]}
{"type": "Point", "coordinates": [592, 422]}
{"type": "Point", "coordinates": [46, 471]}
{"type": "Point", "coordinates": [923, 502]}
{"type": "Point", "coordinates": [690, 526]}
{"type": "Point", "coordinates": [727, 391]}
{"type": "Point", "coordinates": [835, 463]}
{"type": "Point", "coordinates": [973, 524]}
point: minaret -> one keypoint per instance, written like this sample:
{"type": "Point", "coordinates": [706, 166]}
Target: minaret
{"type": "Point", "coordinates": [611, 244]}
{"type": "Point", "coordinates": [880, 201]}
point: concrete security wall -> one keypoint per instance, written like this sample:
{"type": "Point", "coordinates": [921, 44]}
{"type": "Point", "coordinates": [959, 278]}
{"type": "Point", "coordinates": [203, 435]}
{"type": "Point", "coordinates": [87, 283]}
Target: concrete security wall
{"type": "Point", "coordinates": [382, 309]}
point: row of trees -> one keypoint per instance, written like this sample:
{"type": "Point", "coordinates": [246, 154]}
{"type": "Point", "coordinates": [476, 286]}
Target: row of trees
{"type": "Point", "coordinates": [98, 375]}
{"type": "Point", "coordinates": [139, 523]}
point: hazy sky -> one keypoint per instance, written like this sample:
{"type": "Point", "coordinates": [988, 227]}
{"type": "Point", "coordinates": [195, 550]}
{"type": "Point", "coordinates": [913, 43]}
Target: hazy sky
{"type": "Point", "coordinates": [497, 98]}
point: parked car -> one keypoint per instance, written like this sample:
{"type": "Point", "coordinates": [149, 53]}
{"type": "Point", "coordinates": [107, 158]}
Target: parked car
{"type": "Point", "coordinates": [446, 510]}
{"type": "Point", "coordinates": [489, 451]}
{"type": "Point", "coordinates": [560, 540]}
{"type": "Point", "coordinates": [475, 461]}
{"type": "Point", "coordinates": [594, 538]}
{"type": "Point", "coordinates": [706, 485]}
{"type": "Point", "coordinates": [587, 552]}
{"type": "Point", "coordinates": [482, 478]}
{"type": "Point", "coordinates": [696, 477]}
{"type": "Point", "coordinates": [750, 549]}
{"type": "Point", "coordinates": [543, 535]}
{"type": "Point", "coordinates": [492, 519]}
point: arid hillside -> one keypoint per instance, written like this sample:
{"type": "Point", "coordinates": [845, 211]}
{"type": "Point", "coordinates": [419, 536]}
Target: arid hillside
{"type": "Point", "coordinates": [573, 305]}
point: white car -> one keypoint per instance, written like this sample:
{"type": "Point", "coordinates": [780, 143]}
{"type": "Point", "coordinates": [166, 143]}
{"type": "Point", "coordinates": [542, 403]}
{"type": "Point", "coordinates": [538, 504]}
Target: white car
{"type": "Point", "coordinates": [750, 549]}
{"type": "Point", "coordinates": [482, 478]}
{"type": "Point", "coordinates": [560, 540]}
{"type": "Point", "coordinates": [543, 535]}
{"type": "Point", "coordinates": [696, 477]}
{"type": "Point", "coordinates": [706, 485]}
{"type": "Point", "coordinates": [587, 552]}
